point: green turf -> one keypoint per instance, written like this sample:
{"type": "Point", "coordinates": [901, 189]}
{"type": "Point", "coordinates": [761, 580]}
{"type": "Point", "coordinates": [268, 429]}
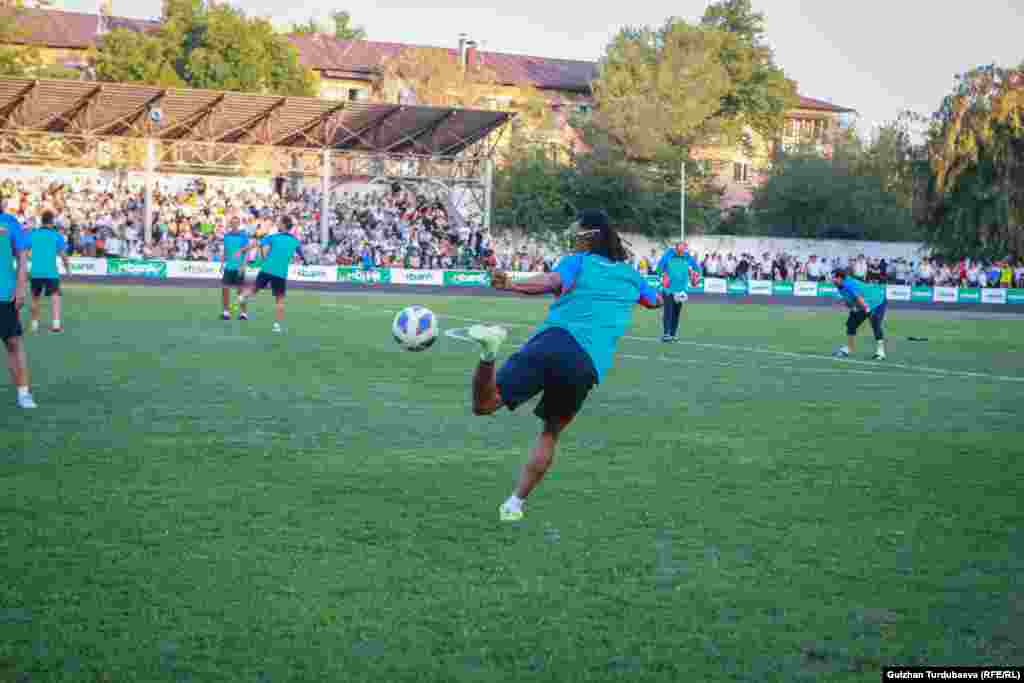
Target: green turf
{"type": "Point", "coordinates": [198, 500]}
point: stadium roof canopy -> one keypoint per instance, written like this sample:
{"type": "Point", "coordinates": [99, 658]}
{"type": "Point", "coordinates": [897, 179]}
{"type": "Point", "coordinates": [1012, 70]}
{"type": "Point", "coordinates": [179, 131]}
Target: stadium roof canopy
{"type": "Point", "coordinates": [124, 110]}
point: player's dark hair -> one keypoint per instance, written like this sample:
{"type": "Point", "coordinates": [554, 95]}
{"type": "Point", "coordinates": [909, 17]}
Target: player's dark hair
{"type": "Point", "coordinates": [605, 241]}
{"type": "Point", "coordinates": [287, 223]}
{"type": "Point", "coordinates": [839, 272]}
{"type": "Point", "coordinates": [47, 218]}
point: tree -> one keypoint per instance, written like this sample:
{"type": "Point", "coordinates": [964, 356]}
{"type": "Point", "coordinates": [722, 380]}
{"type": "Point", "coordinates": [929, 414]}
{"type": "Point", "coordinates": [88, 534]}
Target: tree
{"type": "Point", "coordinates": [807, 195]}
{"type": "Point", "coordinates": [343, 28]}
{"type": "Point", "coordinates": [17, 58]}
{"type": "Point", "coordinates": [206, 46]}
{"type": "Point", "coordinates": [972, 189]}
{"type": "Point", "coordinates": [684, 83]}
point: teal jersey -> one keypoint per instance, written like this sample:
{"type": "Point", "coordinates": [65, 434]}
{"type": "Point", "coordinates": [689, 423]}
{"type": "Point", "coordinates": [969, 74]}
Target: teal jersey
{"type": "Point", "coordinates": [596, 304]}
{"type": "Point", "coordinates": [852, 288]}
{"type": "Point", "coordinates": [47, 244]}
{"type": "Point", "coordinates": [233, 241]}
{"type": "Point", "coordinates": [13, 240]}
{"type": "Point", "coordinates": [677, 268]}
{"type": "Point", "coordinates": [282, 249]}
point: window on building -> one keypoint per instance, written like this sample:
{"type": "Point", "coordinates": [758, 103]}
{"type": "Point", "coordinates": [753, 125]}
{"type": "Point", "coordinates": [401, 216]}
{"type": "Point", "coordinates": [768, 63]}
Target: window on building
{"type": "Point", "coordinates": [741, 173]}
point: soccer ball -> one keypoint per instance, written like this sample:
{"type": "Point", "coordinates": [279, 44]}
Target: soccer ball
{"type": "Point", "coordinates": [415, 328]}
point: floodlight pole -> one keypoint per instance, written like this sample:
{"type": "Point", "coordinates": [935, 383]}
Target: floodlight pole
{"type": "Point", "coordinates": [682, 201]}
{"type": "Point", "coordinates": [325, 198]}
{"type": "Point", "coordinates": [147, 218]}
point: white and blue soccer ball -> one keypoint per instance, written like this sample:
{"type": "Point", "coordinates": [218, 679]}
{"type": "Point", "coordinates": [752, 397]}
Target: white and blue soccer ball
{"type": "Point", "coordinates": [415, 328]}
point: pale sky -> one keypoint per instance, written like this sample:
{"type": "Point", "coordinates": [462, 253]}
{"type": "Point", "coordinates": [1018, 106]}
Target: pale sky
{"type": "Point", "coordinates": [876, 56]}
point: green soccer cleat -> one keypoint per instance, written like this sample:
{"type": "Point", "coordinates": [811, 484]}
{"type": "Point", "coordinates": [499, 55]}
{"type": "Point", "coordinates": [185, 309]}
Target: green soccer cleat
{"type": "Point", "coordinates": [490, 340]}
{"type": "Point", "coordinates": [509, 513]}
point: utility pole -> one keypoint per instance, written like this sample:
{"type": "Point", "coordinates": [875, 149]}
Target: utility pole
{"type": "Point", "coordinates": [682, 201]}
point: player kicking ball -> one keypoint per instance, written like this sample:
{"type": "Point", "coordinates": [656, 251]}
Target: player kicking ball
{"type": "Point", "coordinates": [46, 245]}
{"type": "Point", "coordinates": [596, 289]}
{"type": "Point", "coordinates": [235, 242]}
{"type": "Point", "coordinates": [866, 302]}
{"type": "Point", "coordinates": [14, 245]}
{"type": "Point", "coordinates": [281, 248]}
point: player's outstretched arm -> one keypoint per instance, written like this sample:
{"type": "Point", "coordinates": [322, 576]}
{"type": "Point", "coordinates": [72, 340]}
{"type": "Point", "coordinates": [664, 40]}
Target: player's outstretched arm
{"type": "Point", "coordinates": [544, 283]}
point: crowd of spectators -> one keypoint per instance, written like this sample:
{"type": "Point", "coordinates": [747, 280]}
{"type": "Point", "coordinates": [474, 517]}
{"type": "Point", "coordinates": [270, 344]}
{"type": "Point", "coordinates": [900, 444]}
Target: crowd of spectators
{"type": "Point", "coordinates": [393, 226]}
{"type": "Point", "coordinates": [900, 271]}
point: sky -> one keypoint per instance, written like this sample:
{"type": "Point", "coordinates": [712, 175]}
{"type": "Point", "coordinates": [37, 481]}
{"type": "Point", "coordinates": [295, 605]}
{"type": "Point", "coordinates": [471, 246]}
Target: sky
{"type": "Point", "coordinates": [879, 57]}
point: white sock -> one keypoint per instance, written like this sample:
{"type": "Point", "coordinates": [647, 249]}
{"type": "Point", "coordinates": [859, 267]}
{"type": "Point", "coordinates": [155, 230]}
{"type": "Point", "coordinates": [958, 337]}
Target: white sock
{"type": "Point", "coordinates": [514, 502]}
{"type": "Point", "coordinates": [56, 322]}
{"type": "Point", "coordinates": [227, 312]}
{"type": "Point", "coordinates": [23, 392]}
{"type": "Point", "coordinates": [881, 345]}
{"type": "Point", "coordinates": [845, 349]}
{"type": "Point", "coordinates": [241, 298]}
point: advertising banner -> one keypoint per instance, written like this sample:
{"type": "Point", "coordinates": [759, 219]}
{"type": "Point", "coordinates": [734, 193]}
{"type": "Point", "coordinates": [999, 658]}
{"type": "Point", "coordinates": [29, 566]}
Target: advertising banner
{"type": "Point", "coordinates": [897, 292]}
{"type": "Point", "coordinates": [971, 296]}
{"type": "Point", "coordinates": [761, 287]}
{"type": "Point", "coordinates": [375, 276]}
{"type": "Point", "coordinates": [784, 288]}
{"type": "Point", "coordinates": [993, 296]}
{"type": "Point", "coordinates": [737, 287]}
{"type": "Point", "coordinates": [1014, 296]}
{"type": "Point", "coordinates": [805, 288]}
{"type": "Point", "coordinates": [466, 278]}
{"type": "Point", "coordinates": [921, 294]}
{"type": "Point", "coordinates": [714, 285]}
{"type": "Point", "coordinates": [403, 276]}
{"type": "Point", "coordinates": [827, 289]}
{"type": "Point", "coordinates": [944, 295]}
{"type": "Point", "coordinates": [117, 267]}
{"type": "Point", "coordinates": [85, 266]}
{"type": "Point", "coordinates": [194, 269]}
{"type": "Point", "coordinates": [313, 273]}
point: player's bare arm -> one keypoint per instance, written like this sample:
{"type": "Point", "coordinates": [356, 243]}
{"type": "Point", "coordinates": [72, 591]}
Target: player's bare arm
{"type": "Point", "coordinates": [544, 283]}
{"type": "Point", "coordinates": [21, 289]}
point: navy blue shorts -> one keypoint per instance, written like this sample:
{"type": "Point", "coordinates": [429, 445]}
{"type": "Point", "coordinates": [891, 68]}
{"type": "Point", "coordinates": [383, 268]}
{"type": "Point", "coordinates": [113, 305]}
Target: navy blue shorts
{"type": "Point", "coordinates": [10, 321]}
{"type": "Point", "coordinates": [278, 285]}
{"type": "Point", "coordinates": [552, 362]}
{"type": "Point", "coordinates": [45, 285]}
{"type": "Point", "coordinates": [232, 278]}
{"type": "Point", "coordinates": [877, 318]}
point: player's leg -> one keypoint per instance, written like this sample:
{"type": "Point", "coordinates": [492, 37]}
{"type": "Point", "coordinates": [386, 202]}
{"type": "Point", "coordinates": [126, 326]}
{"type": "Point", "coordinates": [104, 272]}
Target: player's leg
{"type": "Point", "coordinates": [248, 291]}
{"type": "Point", "coordinates": [486, 395]}
{"type": "Point", "coordinates": [56, 308]}
{"type": "Point", "coordinates": [37, 294]}
{"type": "Point", "coordinates": [677, 315]}
{"type": "Point", "coordinates": [17, 362]}
{"type": "Point", "coordinates": [666, 318]}
{"type": "Point", "coordinates": [225, 296]}
{"type": "Point", "coordinates": [853, 323]}
{"type": "Point", "coordinates": [278, 287]}
{"type": "Point", "coordinates": [878, 327]}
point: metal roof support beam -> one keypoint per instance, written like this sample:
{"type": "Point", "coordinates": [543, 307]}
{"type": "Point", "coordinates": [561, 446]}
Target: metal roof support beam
{"type": "Point", "coordinates": [303, 130]}
{"type": "Point", "coordinates": [414, 137]}
{"type": "Point", "coordinates": [373, 125]}
{"type": "Point", "coordinates": [129, 121]}
{"type": "Point", "coordinates": [243, 129]}
{"type": "Point", "coordinates": [462, 143]}
{"type": "Point", "coordinates": [71, 115]}
{"type": "Point", "coordinates": [8, 111]}
{"type": "Point", "coordinates": [196, 117]}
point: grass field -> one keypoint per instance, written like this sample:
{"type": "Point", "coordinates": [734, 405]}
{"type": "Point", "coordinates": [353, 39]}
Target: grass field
{"type": "Point", "coordinates": [198, 500]}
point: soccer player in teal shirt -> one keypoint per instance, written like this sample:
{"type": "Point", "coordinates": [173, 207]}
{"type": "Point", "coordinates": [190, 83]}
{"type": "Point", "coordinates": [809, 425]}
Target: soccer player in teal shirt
{"type": "Point", "coordinates": [14, 246]}
{"type": "Point", "coordinates": [280, 248]}
{"type": "Point", "coordinates": [596, 290]}
{"type": "Point", "coordinates": [674, 269]}
{"type": "Point", "coordinates": [235, 241]}
{"type": "Point", "coordinates": [47, 245]}
{"type": "Point", "coordinates": [866, 302]}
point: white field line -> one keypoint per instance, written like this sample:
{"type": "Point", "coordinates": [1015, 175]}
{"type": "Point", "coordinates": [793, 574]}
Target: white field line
{"type": "Point", "coordinates": [881, 366]}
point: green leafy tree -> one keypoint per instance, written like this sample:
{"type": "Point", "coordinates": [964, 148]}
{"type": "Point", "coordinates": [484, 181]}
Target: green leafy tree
{"type": "Point", "coordinates": [683, 83]}
{"type": "Point", "coordinates": [200, 46]}
{"type": "Point", "coordinates": [971, 191]}
{"type": "Point", "coordinates": [810, 196]}
{"type": "Point", "coordinates": [343, 28]}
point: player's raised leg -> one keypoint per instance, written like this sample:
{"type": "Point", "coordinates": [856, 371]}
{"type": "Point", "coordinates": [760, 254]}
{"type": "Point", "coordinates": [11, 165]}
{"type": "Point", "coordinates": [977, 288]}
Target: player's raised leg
{"type": "Point", "coordinates": [486, 398]}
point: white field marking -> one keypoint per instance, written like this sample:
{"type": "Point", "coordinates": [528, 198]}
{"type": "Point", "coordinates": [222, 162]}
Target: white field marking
{"type": "Point", "coordinates": [881, 365]}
